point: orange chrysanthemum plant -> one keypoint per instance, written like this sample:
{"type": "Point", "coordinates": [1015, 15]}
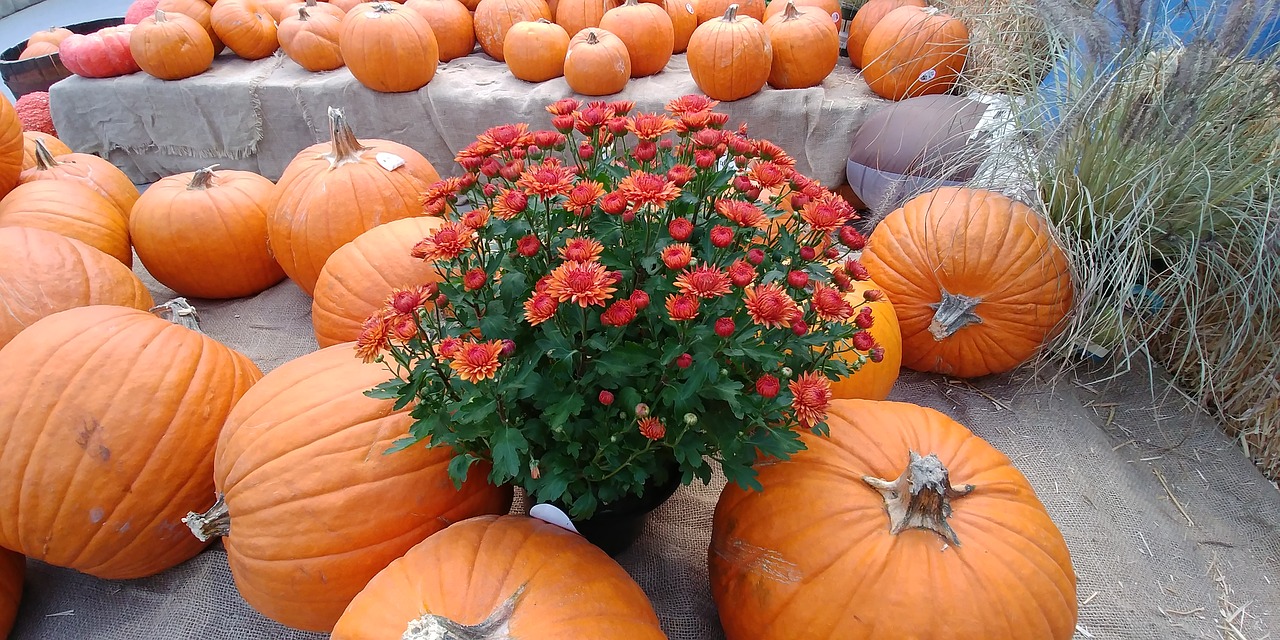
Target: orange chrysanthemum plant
{"type": "Point", "coordinates": [620, 306]}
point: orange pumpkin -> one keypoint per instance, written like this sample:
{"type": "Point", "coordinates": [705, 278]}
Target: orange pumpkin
{"type": "Point", "coordinates": [914, 52]}
{"type": "Point", "coordinates": [332, 192]}
{"type": "Point", "coordinates": [867, 17]}
{"type": "Point", "coordinates": [360, 276]}
{"type": "Point", "coordinates": [829, 7]}
{"type": "Point", "coordinates": [646, 30]}
{"type": "Point", "coordinates": [11, 143]}
{"type": "Point", "coordinates": [291, 9]}
{"type": "Point", "coordinates": [52, 35]}
{"type": "Point", "coordinates": [940, 536]}
{"type": "Point", "coordinates": [524, 576]}
{"type": "Point", "coordinates": [729, 57]}
{"type": "Point", "coordinates": [116, 411]}
{"type": "Point", "coordinates": [310, 38]}
{"type": "Point", "coordinates": [197, 10]}
{"type": "Point", "coordinates": [204, 234]}
{"type": "Point", "coordinates": [84, 169]}
{"type": "Point", "coordinates": [874, 380]}
{"type": "Point", "coordinates": [597, 63]}
{"type": "Point", "coordinates": [389, 48]}
{"type": "Point", "coordinates": [452, 25]}
{"type": "Point", "coordinates": [51, 143]}
{"type": "Point", "coordinates": [73, 210]}
{"type": "Point", "coordinates": [13, 568]}
{"type": "Point", "coordinates": [171, 47]}
{"type": "Point", "coordinates": [247, 28]}
{"type": "Point", "coordinates": [44, 273]}
{"type": "Point", "coordinates": [535, 51]}
{"type": "Point", "coordinates": [709, 10]}
{"type": "Point", "coordinates": [576, 15]}
{"type": "Point", "coordinates": [977, 281]}
{"type": "Point", "coordinates": [303, 474]}
{"type": "Point", "coordinates": [346, 5]}
{"type": "Point", "coordinates": [684, 20]}
{"type": "Point", "coordinates": [806, 47]}
{"type": "Point", "coordinates": [37, 49]}
{"type": "Point", "coordinates": [493, 18]}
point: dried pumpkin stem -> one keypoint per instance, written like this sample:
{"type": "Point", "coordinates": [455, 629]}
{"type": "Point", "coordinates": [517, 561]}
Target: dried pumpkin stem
{"type": "Point", "coordinates": [303, 15]}
{"type": "Point", "coordinates": [921, 497]}
{"type": "Point", "coordinates": [954, 313]}
{"type": "Point", "coordinates": [496, 627]}
{"type": "Point", "coordinates": [44, 159]}
{"type": "Point", "coordinates": [790, 12]}
{"type": "Point", "coordinates": [591, 38]}
{"type": "Point", "coordinates": [179, 312]}
{"type": "Point", "coordinates": [202, 179]}
{"type": "Point", "coordinates": [161, 17]}
{"type": "Point", "coordinates": [346, 148]}
{"type": "Point", "coordinates": [211, 524]}
{"type": "Point", "coordinates": [731, 13]}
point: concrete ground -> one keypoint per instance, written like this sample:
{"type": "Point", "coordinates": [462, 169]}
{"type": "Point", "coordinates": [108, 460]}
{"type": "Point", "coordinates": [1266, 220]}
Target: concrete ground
{"type": "Point", "coordinates": [20, 26]}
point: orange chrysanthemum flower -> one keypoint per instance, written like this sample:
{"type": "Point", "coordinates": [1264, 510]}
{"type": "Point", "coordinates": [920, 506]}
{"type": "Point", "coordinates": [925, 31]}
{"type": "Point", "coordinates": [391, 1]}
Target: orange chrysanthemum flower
{"type": "Point", "coordinates": [583, 196]}
{"type": "Point", "coordinates": [539, 308]}
{"type": "Point", "coordinates": [548, 179]}
{"type": "Point", "coordinates": [509, 204]}
{"type": "Point", "coordinates": [705, 281]}
{"type": "Point", "coordinates": [477, 149]}
{"type": "Point", "coordinates": [583, 283]}
{"type": "Point", "coordinates": [677, 256]}
{"type": "Point", "coordinates": [682, 306]}
{"type": "Point", "coordinates": [811, 395]}
{"type": "Point", "coordinates": [477, 361]}
{"type": "Point", "coordinates": [770, 306]}
{"type": "Point", "coordinates": [581, 250]}
{"type": "Point", "coordinates": [652, 428]}
{"type": "Point", "coordinates": [435, 200]}
{"type": "Point", "coordinates": [447, 243]}
{"type": "Point", "coordinates": [742, 213]}
{"type": "Point", "coordinates": [767, 175]}
{"type": "Point", "coordinates": [771, 151]}
{"type": "Point", "coordinates": [449, 347]}
{"type": "Point", "coordinates": [650, 126]}
{"type": "Point", "coordinates": [476, 218]}
{"type": "Point", "coordinates": [825, 214]}
{"type": "Point", "coordinates": [690, 103]}
{"type": "Point", "coordinates": [507, 136]}
{"type": "Point", "coordinates": [373, 339]}
{"type": "Point", "coordinates": [829, 303]}
{"type": "Point", "coordinates": [642, 188]}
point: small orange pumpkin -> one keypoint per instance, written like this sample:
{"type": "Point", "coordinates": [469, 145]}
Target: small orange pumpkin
{"type": "Point", "coordinates": [86, 169]}
{"type": "Point", "coordinates": [389, 48]}
{"type": "Point", "coordinates": [310, 38]}
{"type": "Point", "coordinates": [51, 143]}
{"type": "Point", "coordinates": [197, 10]}
{"type": "Point", "coordinates": [13, 568]}
{"type": "Point", "coordinates": [52, 35]}
{"type": "Point", "coordinates": [597, 63]}
{"type": "Point", "coordinates": [73, 210]}
{"type": "Point", "coordinates": [452, 25]}
{"type": "Point", "coordinates": [576, 15]}
{"type": "Point", "coordinates": [647, 31]}
{"type": "Point", "coordinates": [247, 28]}
{"type": "Point", "coordinates": [37, 49]}
{"type": "Point", "coordinates": [874, 380]}
{"type": "Point", "coordinates": [535, 51]}
{"type": "Point", "coordinates": [867, 17]}
{"type": "Point", "coordinates": [494, 18]}
{"type": "Point", "coordinates": [204, 234]}
{"type": "Point", "coordinates": [806, 47]}
{"type": "Point", "coordinates": [709, 10]}
{"type": "Point", "coordinates": [913, 52]}
{"type": "Point", "coordinates": [729, 57]}
{"type": "Point", "coordinates": [171, 47]}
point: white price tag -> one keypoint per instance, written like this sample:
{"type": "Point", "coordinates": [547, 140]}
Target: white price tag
{"type": "Point", "coordinates": [552, 515]}
{"type": "Point", "coordinates": [389, 161]}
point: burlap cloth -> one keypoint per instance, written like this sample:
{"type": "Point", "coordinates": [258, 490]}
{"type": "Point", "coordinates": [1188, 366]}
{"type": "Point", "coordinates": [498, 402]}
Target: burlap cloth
{"type": "Point", "coordinates": [1172, 532]}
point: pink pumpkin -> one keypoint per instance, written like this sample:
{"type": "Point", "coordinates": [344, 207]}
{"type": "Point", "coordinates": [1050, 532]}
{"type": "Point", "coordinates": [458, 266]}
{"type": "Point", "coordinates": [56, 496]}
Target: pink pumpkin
{"type": "Point", "coordinates": [140, 9]}
{"type": "Point", "coordinates": [103, 54]}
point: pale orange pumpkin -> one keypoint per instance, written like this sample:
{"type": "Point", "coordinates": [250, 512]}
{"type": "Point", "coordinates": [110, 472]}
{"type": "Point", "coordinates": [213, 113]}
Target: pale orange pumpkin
{"type": "Point", "coordinates": [806, 47]}
{"type": "Point", "coordinates": [900, 524]}
{"type": "Point", "coordinates": [52, 35]}
{"type": "Point", "coordinates": [576, 15]}
{"type": "Point", "coordinates": [709, 10]}
{"type": "Point", "coordinates": [452, 25]}
{"type": "Point", "coordinates": [867, 17]}
{"type": "Point", "coordinates": [913, 52]}
{"type": "Point", "coordinates": [73, 210]}
{"type": "Point", "coordinates": [204, 234]}
{"type": "Point", "coordinates": [359, 277]}
{"type": "Point", "coordinates": [11, 144]}
{"type": "Point", "coordinates": [171, 46]}
{"type": "Point", "coordinates": [977, 280]}
{"type": "Point", "coordinates": [597, 63]}
{"type": "Point", "coordinates": [535, 51]}
{"type": "Point", "coordinates": [51, 143]}
{"type": "Point", "coordinates": [646, 30]}
{"type": "Point", "coordinates": [525, 577]}
{"type": "Point", "coordinates": [128, 448]}
{"type": "Point", "coordinates": [87, 170]}
{"type": "Point", "coordinates": [303, 473]}
{"type": "Point", "coordinates": [197, 10]}
{"type": "Point", "coordinates": [13, 568]}
{"type": "Point", "coordinates": [310, 38]}
{"type": "Point", "coordinates": [332, 192]}
{"type": "Point", "coordinates": [874, 380]}
{"type": "Point", "coordinates": [389, 48]}
{"type": "Point", "coordinates": [729, 57]}
{"type": "Point", "coordinates": [684, 20]}
{"type": "Point", "coordinates": [37, 49]}
{"type": "Point", "coordinates": [493, 18]}
{"type": "Point", "coordinates": [43, 273]}
{"type": "Point", "coordinates": [246, 27]}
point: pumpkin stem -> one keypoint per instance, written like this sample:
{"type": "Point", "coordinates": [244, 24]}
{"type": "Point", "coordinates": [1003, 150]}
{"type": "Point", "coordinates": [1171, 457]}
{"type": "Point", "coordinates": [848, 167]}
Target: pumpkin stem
{"type": "Point", "coordinates": [202, 179]}
{"type": "Point", "coordinates": [303, 15]}
{"type": "Point", "coordinates": [211, 524]}
{"type": "Point", "coordinates": [496, 627]}
{"type": "Point", "coordinates": [179, 312]}
{"type": "Point", "coordinates": [921, 497]}
{"type": "Point", "coordinates": [310, 3]}
{"type": "Point", "coordinates": [161, 17]}
{"type": "Point", "coordinates": [952, 314]}
{"type": "Point", "coordinates": [591, 38]}
{"type": "Point", "coordinates": [731, 13]}
{"type": "Point", "coordinates": [44, 159]}
{"type": "Point", "coordinates": [383, 7]}
{"type": "Point", "coordinates": [790, 12]}
{"type": "Point", "coordinates": [346, 148]}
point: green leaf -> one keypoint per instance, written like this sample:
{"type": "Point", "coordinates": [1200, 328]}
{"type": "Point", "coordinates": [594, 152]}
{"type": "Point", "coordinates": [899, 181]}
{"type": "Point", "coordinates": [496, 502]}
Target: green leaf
{"type": "Point", "coordinates": [507, 444]}
{"type": "Point", "coordinates": [459, 467]}
{"type": "Point", "coordinates": [477, 410]}
{"type": "Point", "coordinates": [624, 360]}
{"type": "Point", "coordinates": [387, 390]}
{"type": "Point", "coordinates": [494, 324]}
{"type": "Point", "coordinates": [569, 405]}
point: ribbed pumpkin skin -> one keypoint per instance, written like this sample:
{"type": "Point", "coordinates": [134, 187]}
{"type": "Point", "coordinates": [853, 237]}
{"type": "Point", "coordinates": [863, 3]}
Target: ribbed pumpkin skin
{"type": "Point", "coordinates": [388, 47]}
{"type": "Point", "coordinates": [198, 10]}
{"type": "Point", "coordinates": [867, 17]}
{"type": "Point", "coordinates": [684, 20]}
{"type": "Point", "coordinates": [576, 15]}
{"type": "Point", "coordinates": [310, 489]}
{"type": "Point", "coordinates": [709, 10]}
{"type": "Point", "coordinates": [360, 276]}
{"type": "Point", "coordinates": [90, 171]}
{"type": "Point", "coordinates": [43, 273]}
{"type": "Point", "coordinates": [978, 244]}
{"type": "Point", "coordinates": [874, 380]}
{"type": "Point", "coordinates": [73, 210]}
{"type": "Point", "coordinates": [572, 589]}
{"type": "Point", "coordinates": [246, 27]}
{"type": "Point", "coordinates": [13, 568]}
{"type": "Point", "coordinates": [312, 42]}
{"type": "Point", "coordinates": [833, 571]}
{"type": "Point", "coordinates": [805, 46]}
{"type": "Point", "coordinates": [597, 63]}
{"type": "Point", "coordinates": [493, 18]}
{"type": "Point", "coordinates": [11, 143]}
{"type": "Point", "coordinates": [535, 51]}
{"type": "Point", "coordinates": [116, 412]}
{"type": "Point", "coordinates": [914, 52]}
{"type": "Point", "coordinates": [452, 25]}
{"type": "Point", "coordinates": [320, 205]}
{"type": "Point", "coordinates": [208, 242]}
{"type": "Point", "coordinates": [171, 46]}
{"type": "Point", "coordinates": [729, 57]}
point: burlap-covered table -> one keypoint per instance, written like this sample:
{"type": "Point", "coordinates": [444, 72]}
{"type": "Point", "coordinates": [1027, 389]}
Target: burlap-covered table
{"type": "Point", "coordinates": [1172, 532]}
{"type": "Point", "coordinates": [257, 115]}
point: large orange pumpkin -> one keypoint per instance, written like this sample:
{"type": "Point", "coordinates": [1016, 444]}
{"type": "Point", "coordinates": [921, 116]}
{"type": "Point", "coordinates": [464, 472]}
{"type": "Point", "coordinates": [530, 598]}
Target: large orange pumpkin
{"type": "Point", "coordinates": [729, 57]}
{"type": "Point", "coordinates": [829, 7]}
{"type": "Point", "coordinates": [806, 47]}
{"type": "Point", "coordinates": [867, 17]}
{"type": "Point", "coordinates": [388, 47]}
{"type": "Point", "coordinates": [976, 279]}
{"type": "Point", "coordinates": [360, 276]}
{"type": "Point", "coordinates": [493, 18]}
{"type": "Point", "coordinates": [43, 273]}
{"type": "Point", "coordinates": [530, 579]}
{"type": "Point", "coordinates": [11, 143]}
{"type": "Point", "coordinates": [85, 169]}
{"type": "Point", "coordinates": [452, 25]}
{"type": "Point", "coordinates": [874, 380]}
{"type": "Point", "coordinates": [901, 524]}
{"type": "Point", "coordinates": [13, 568]}
{"type": "Point", "coordinates": [197, 10]}
{"type": "Point", "coordinates": [171, 46]}
{"type": "Point", "coordinates": [204, 234]}
{"type": "Point", "coordinates": [648, 32]}
{"type": "Point", "coordinates": [310, 38]}
{"type": "Point", "coordinates": [535, 51]}
{"type": "Point", "coordinates": [246, 27]}
{"type": "Point", "coordinates": [71, 209]}
{"type": "Point", "coordinates": [116, 412]}
{"type": "Point", "coordinates": [709, 10]}
{"type": "Point", "coordinates": [332, 192]}
{"type": "Point", "coordinates": [684, 20]}
{"type": "Point", "coordinates": [913, 52]}
{"type": "Point", "coordinates": [311, 504]}
{"type": "Point", "coordinates": [597, 63]}
{"type": "Point", "coordinates": [51, 143]}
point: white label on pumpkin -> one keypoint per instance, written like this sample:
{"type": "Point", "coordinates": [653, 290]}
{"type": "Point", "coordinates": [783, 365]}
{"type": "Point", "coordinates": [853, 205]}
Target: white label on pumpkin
{"type": "Point", "coordinates": [688, 7]}
{"type": "Point", "coordinates": [389, 161]}
{"type": "Point", "coordinates": [835, 17]}
{"type": "Point", "coordinates": [927, 75]}
{"type": "Point", "coordinates": [552, 515]}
